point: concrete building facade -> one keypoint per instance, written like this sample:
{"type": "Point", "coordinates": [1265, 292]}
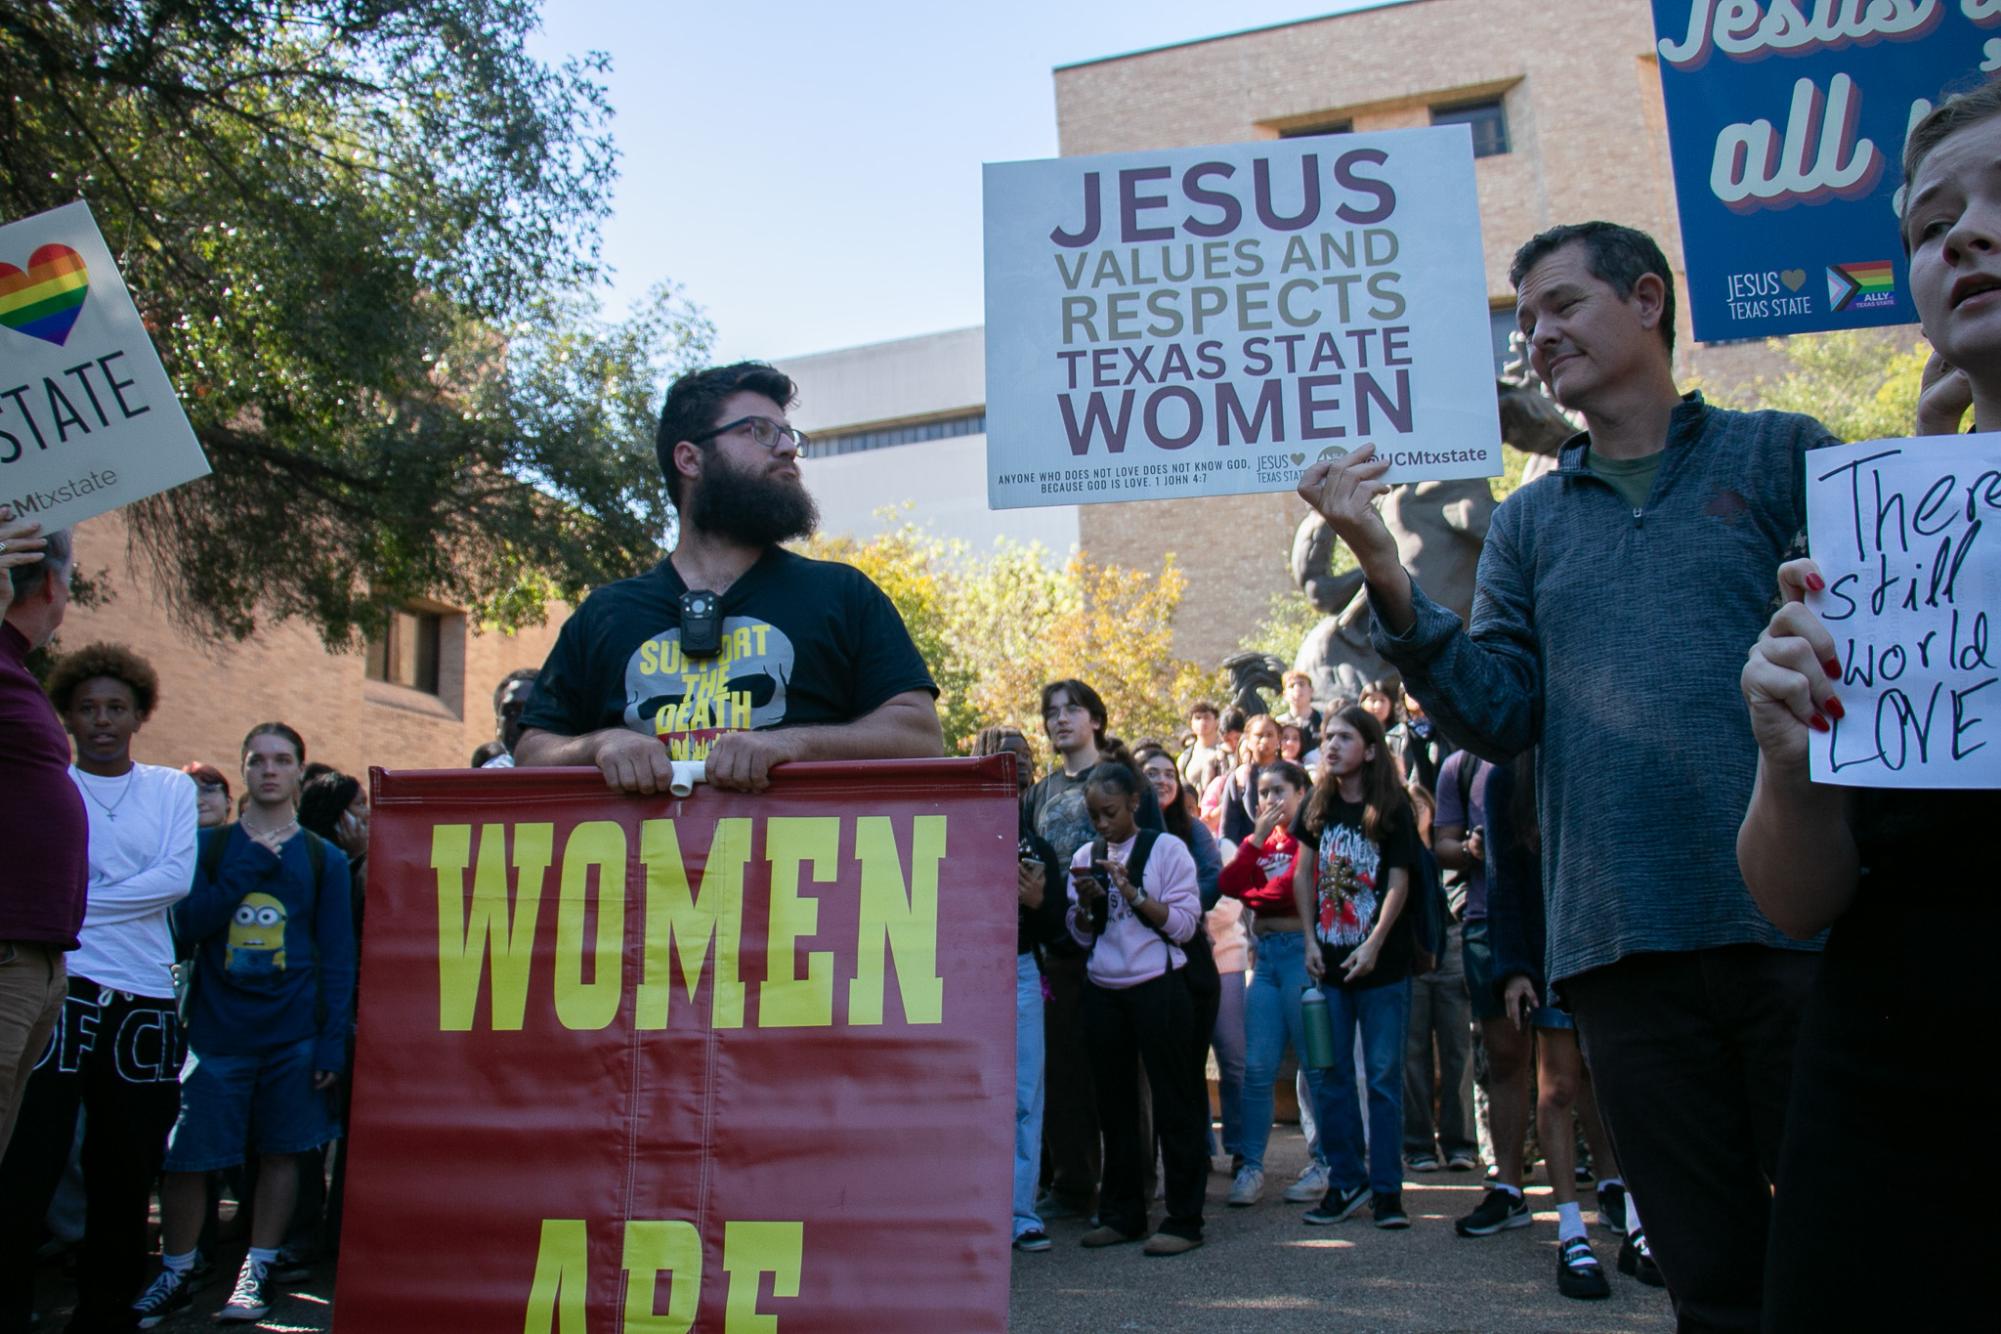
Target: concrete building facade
{"type": "Point", "coordinates": [899, 435]}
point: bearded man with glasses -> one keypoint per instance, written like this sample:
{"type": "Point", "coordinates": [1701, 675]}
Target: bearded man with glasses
{"type": "Point", "coordinates": [733, 650]}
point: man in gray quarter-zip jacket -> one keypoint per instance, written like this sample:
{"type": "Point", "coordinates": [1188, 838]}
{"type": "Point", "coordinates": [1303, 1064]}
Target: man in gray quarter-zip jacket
{"type": "Point", "coordinates": [1616, 600]}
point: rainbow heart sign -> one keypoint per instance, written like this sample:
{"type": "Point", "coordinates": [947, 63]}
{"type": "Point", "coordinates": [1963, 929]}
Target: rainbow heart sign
{"type": "Point", "coordinates": [44, 301]}
{"type": "Point", "coordinates": [89, 420]}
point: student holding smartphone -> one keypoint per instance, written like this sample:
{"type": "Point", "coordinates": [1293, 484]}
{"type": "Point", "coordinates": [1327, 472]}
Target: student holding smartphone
{"type": "Point", "coordinates": [1134, 907]}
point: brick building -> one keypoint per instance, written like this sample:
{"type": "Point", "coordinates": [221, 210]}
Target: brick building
{"type": "Point", "coordinates": [420, 697]}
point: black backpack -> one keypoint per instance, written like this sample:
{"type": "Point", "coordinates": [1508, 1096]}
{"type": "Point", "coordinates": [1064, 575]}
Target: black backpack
{"type": "Point", "coordinates": [1199, 973]}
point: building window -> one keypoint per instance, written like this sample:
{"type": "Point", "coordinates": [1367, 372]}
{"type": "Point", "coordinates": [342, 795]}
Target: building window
{"type": "Point", "coordinates": [1503, 325]}
{"type": "Point", "coordinates": [406, 653]}
{"type": "Point", "coordinates": [1312, 131]}
{"type": "Point", "coordinates": [943, 428]}
{"type": "Point", "coordinates": [1489, 125]}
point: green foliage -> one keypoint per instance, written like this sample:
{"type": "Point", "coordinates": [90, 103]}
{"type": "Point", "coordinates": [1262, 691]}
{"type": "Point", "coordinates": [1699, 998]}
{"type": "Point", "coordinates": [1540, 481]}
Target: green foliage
{"type": "Point", "coordinates": [1288, 619]}
{"type": "Point", "coordinates": [994, 628]}
{"type": "Point", "coordinates": [356, 229]}
{"type": "Point", "coordinates": [1857, 382]}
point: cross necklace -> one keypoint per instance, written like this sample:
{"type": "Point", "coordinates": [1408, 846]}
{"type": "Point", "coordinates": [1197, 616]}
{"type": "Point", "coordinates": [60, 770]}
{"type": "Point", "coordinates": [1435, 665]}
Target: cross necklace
{"type": "Point", "coordinates": [111, 811]}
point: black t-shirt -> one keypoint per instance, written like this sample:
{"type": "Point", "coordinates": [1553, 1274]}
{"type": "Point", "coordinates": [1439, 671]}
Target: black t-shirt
{"type": "Point", "coordinates": [1353, 882]}
{"type": "Point", "coordinates": [803, 641]}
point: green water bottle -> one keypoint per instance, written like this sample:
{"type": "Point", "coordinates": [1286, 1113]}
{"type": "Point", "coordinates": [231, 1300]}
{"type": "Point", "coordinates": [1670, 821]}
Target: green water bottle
{"type": "Point", "coordinates": [1319, 1027]}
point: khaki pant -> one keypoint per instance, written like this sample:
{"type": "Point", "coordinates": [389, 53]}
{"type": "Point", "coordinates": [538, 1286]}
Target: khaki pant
{"type": "Point", "coordinates": [33, 982]}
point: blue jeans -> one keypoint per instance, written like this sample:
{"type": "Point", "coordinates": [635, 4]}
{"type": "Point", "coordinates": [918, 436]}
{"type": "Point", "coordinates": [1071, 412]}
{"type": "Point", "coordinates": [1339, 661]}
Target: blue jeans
{"type": "Point", "coordinates": [1271, 1020]}
{"type": "Point", "coordinates": [1381, 1013]}
{"type": "Point", "coordinates": [1228, 1040]}
{"type": "Point", "coordinates": [1027, 1091]}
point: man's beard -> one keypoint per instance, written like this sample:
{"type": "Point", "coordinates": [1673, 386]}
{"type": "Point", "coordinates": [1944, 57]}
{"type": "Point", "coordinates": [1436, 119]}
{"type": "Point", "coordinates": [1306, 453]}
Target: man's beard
{"type": "Point", "coordinates": [752, 508]}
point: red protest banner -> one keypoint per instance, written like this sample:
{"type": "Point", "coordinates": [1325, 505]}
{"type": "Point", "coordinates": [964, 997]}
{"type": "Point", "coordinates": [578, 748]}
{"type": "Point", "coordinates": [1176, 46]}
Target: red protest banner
{"type": "Point", "coordinates": [725, 1063]}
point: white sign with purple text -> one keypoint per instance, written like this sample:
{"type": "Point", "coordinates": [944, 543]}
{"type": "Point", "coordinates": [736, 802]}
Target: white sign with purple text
{"type": "Point", "coordinates": [1907, 535]}
{"type": "Point", "coordinates": [1209, 321]}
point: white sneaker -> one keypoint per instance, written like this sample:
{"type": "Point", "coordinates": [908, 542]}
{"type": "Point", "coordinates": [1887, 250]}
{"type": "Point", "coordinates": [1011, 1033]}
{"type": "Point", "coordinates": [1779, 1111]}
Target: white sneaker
{"type": "Point", "coordinates": [1310, 1187]}
{"type": "Point", "coordinates": [1249, 1185]}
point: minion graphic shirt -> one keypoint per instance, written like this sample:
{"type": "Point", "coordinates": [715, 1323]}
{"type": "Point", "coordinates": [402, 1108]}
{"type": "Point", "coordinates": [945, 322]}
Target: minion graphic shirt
{"type": "Point", "coordinates": [802, 641]}
{"type": "Point", "coordinates": [257, 937]}
{"type": "Point", "coordinates": [273, 938]}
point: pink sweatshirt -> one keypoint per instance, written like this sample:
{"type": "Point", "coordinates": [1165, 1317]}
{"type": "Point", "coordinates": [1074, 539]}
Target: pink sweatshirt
{"type": "Point", "coordinates": [1131, 951]}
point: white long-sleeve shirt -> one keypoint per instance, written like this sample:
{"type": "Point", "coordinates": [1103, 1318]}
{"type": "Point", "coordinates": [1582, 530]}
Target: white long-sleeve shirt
{"type": "Point", "coordinates": [142, 862]}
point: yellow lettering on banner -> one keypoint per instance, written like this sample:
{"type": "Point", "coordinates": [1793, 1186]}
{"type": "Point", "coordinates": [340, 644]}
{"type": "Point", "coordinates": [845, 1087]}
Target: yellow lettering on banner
{"type": "Point", "coordinates": [785, 1000]}
{"type": "Point", "coordinates": [587, 1006]}
{"type": "Point", "coordinates": [905, 925]}
{"type": "Point", "coordinates": [662, 1246]}
{"type": "Point", "coordinates": [750, 1251]}
{"type": "Point", "coordinates": [562, 1273]}
{"type": "Point", "coordinates": [678, 920]}
{"type": "Point", "coordinates": [467, 938]}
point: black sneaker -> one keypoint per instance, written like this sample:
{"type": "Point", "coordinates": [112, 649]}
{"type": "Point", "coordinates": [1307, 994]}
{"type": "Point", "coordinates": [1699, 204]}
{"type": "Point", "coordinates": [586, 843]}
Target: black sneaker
{"type": "Point", "coordinates": [1636, 1260]}
{"type": "Point", "coordinates": [1422, 1162]}
{"type": "Point", "coordinates": [1578, 1273]}
{"type": "Point", "coordinates": [1499, 1210]}
{"type": "Point", "coordinates": [293, 1265]}
{"type": "Point", "coordinates": [172, 1291]}
{"type": "Point", "coordinates": [1033, 1240]}
{"type": "Point", "coordinates": [1612, 1208]}
{"type": "Point", "coordinates": [1389, 1210]}
{"type": "Point", "coordinates": [1337, 1205]}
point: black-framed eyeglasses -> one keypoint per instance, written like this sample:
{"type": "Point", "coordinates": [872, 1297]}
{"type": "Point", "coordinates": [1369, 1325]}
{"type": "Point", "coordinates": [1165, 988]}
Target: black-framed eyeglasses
{"type": "Point", "coordinates": [766, 432]}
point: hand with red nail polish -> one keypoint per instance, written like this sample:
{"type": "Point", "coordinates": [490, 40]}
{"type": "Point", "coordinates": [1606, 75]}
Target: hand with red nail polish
{"type": "Point", "coordinates": [1797, 578]}
{"type": "Point", "coordinates": [1788, 680]}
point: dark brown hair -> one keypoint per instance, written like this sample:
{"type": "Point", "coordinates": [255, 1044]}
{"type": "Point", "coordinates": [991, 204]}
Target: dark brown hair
{"type": "Point", "coordinates": [1383, 797]}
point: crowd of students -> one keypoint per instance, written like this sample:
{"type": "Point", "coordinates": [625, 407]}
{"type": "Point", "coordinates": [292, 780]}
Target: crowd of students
{"type": "Point", "coordinates": [1191, 942]}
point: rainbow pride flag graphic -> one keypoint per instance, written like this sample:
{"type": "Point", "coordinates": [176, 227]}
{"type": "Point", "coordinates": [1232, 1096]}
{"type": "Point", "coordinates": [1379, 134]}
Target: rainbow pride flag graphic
{"type": "Point", "coordinates": [44, 301]}
{"type": "Point", "coordinates": [1861, 286]}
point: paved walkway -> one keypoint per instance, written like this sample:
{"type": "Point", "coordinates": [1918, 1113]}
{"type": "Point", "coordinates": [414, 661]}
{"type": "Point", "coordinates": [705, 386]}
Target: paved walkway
{"type": "Point", "coordinates": [1262, 1269]}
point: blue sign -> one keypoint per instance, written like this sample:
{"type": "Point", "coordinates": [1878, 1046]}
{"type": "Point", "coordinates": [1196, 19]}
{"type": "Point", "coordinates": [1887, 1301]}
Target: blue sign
{"type": "Point", "coordinates": [1786, 121]}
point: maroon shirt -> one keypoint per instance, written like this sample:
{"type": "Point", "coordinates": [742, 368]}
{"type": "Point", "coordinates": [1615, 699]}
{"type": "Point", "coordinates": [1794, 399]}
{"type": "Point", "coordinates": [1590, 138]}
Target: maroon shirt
{"type": "Point", "coordinates": [44, 831]}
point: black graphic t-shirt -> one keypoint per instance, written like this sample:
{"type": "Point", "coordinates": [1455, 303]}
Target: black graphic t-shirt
{"type": "Point", "coordinates": [803, 642]}
{"type": "Point", "coordinates": [1354, 880]}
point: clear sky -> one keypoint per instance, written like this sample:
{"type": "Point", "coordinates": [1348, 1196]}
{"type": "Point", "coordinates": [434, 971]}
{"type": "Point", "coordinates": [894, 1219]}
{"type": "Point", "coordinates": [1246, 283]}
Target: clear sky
{"type": "Point", "coordinates": [809, 170]}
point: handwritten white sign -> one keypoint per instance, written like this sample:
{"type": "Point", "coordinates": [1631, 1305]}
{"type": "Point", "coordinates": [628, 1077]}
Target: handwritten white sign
{"type": "Point", "coordinates": [1209, 321]}
{"type": "Point", "coordinates": [88, 418]}
{"type": "Point", "coordinates": [1907, 534]}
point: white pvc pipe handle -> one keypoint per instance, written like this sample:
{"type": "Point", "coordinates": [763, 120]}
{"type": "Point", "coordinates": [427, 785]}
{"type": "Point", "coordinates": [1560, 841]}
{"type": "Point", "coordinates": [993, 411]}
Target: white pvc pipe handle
{"type": "Point", "coordinates": [687, 773]}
